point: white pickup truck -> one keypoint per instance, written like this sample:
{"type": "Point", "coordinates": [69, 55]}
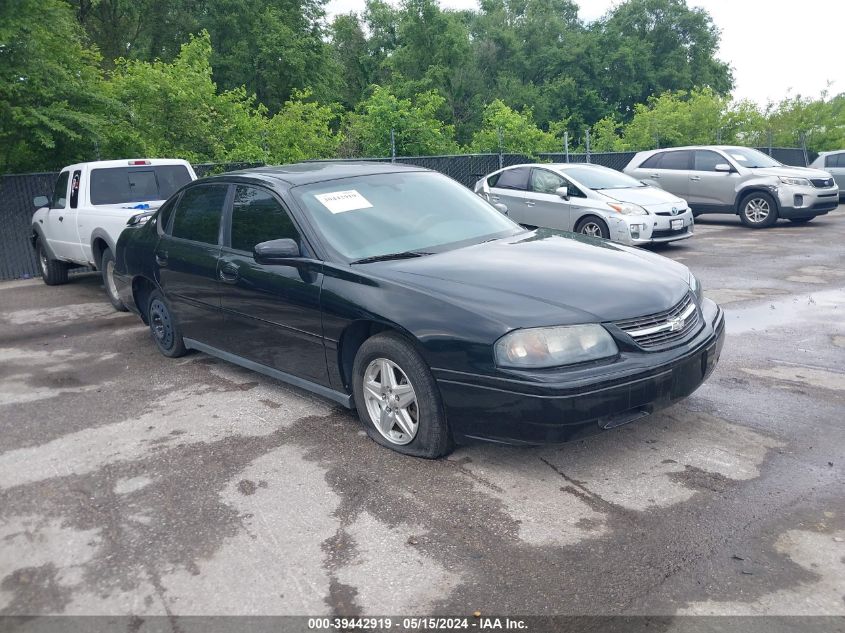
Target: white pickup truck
{"type": "Point", "coordinates": [91, 203]}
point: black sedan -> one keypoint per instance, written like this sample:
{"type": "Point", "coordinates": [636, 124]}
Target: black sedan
{"type": "Point", "coordinates": [399, 292]}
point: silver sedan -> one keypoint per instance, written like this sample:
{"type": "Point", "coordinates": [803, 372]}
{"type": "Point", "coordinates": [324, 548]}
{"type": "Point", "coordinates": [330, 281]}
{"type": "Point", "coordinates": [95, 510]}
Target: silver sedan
{"type": "Point", "coordinates": [588, 199]}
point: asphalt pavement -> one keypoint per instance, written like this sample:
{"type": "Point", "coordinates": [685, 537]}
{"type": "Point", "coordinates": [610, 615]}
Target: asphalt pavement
{"type": "Point", "coordinates": [135, 484]}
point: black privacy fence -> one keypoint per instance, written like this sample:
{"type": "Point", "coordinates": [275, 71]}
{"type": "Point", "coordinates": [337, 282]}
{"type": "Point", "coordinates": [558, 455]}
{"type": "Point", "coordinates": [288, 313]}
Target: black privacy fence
{"type": "Point", "coordinates": [18, 260]}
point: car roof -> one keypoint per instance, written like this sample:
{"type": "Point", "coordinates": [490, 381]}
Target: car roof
{"type": "Point", "coordinates": [316, 171]}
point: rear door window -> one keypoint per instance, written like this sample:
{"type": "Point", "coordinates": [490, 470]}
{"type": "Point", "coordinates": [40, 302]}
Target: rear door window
{"type": "Point", "coordinates": [835, 160]}
{"type": "Point", "coordinates": [653, 161]}
{"type": "Point", "coordinates": [123, 185]}
{"type": "Point", "coordinates": [516, 178]}
{"type": "Point", "coordinates": [59, 199]}
{"type": "Point", "coordinates": [197, 216]}
{"type": "Point", "coordinates": [676, 160]}
{"type": "Point", "coordinates": [258, 217]}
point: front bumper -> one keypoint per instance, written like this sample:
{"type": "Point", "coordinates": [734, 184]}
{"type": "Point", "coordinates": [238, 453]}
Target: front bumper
{"type": "Point", "coordinates": [806, 202]}
{"type": "Point", "coordinates": [558, 410]}
{"type": "Point", "coordinates": [636, 230]}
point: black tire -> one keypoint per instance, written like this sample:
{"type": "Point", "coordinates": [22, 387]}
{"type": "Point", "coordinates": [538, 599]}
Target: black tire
{"type": "Point", "coordinates": [801, 220]}
{"type": "Point", "coordinates": [164, 329]}
{"type": "Point", "coordinates": [752, 206]}
{"type": "Point", "coordinates": [432, 438]}
{"type": "Point", "coordinates": [53, 272]}
{"type": "Point", "coordinates": [592, 226]}
{"type": "Point", "coordinates": [107, 270]}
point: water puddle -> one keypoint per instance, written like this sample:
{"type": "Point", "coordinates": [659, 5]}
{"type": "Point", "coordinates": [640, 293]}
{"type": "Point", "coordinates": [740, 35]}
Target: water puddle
{"type": "Point", "coordinates": [826, 306]}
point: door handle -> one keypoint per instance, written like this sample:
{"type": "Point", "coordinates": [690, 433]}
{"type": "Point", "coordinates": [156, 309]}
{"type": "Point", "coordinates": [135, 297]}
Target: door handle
{"type": "Point", "coordinates": [161, 258]}
{"type": "Point", "coordinates": [695, 177]}
{"type": "Point", "coordinates": [61, 218]}
{"type": "Point", "coordinates": [655, 176]}
{"type": "Point", "coordinates": [229, 273]}
{"type": "Point", "coordinates": [494, 198]}
{"type": "Point", "coordinates": [529, 203]}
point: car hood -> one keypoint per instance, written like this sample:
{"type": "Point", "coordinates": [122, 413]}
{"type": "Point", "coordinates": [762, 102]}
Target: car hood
{"type": "Point", "coordinates": [796, 172]}
{"type": "Point", "coordinates": [646, 197]}
{"type": "Point", "coordinates": [546, 277]}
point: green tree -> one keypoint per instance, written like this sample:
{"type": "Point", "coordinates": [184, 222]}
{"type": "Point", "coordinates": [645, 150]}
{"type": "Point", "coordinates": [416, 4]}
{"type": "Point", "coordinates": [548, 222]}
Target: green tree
{"type": "Point", "coordinates": [676, 118]}
{"type": "Point", "coordinates": [417, 130]}
{"type": "Point", "coordinates": [302, 130]}
{"type": "Point", "coordinates": [175, 109]}
{"type": "Point", "coordinates": [648, 47]}
{"type": "Point", "coordinates": [52, 106]}
{"type": "Point", "coordinates": [511, 131]}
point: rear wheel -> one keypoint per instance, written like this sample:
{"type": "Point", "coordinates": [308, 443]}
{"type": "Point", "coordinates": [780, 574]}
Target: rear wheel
{"type": "Point", "coordinates": [107, 269]}
{"type": "Point", "coordinates": [758, 210]}
{"type": "Point", "coordinates": [166, 332]}
{"type": "Point", "coordinates": [593, 226]}
{"type": "Point", "coordinates": [397, 398]}
{"type": "Point", "coordinates": [53, 272]}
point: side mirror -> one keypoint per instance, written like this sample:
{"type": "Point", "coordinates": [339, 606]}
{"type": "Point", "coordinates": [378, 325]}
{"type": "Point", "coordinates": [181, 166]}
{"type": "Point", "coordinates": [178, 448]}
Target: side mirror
{"type": "Point", "coordinates": [501, 208]}
{"type": "Point", "coordinates": [276, 251]}
{"type": "Point", "coordinates": [563, 192]}
{"type": "Point", "coordinates": [40, 201]}
{"type": "Point", "coordinates": [723, 167]}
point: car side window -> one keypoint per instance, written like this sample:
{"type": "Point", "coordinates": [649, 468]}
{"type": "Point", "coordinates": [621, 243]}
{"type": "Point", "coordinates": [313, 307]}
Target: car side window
{"type": "Point", "coordinates": [676, 160]}
{"type": "Point", "coordinates": [164, 214]}
{"type": "Point", "coordinates": [197, 216]}
{"type": "Point", "coordinates": [492, 180]}
{"type": "Point", "coordinates": [545, 181]}
{"type": "Point", "coordinates": [705, 160]}
{"type": "Point", "coordinates": [258, 217]}
{"type": "Point", "coordinates": [514, 179]}
{"type": "Point", "coordinates": [74, 188]}
{"type": "Point", "coordinates": [835, 160]}
{"type": "Point", "coordinates": [59, 199]}
{"type": "Point", "coordinates": [652, 162]}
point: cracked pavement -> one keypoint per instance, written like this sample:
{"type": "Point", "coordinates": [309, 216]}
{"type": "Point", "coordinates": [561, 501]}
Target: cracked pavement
{"type": "Point", "coordinates": [135, 484]}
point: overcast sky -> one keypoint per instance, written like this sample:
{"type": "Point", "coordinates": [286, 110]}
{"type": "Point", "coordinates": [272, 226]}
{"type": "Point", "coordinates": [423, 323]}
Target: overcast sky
{"type": "Point", "coordinates": [773, 45]}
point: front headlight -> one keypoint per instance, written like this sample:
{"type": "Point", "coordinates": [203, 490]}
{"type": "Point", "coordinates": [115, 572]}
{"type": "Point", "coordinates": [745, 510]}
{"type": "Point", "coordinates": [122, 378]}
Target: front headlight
{"type": "Point", "coordinates": [789, 180]}
{"type": "Point", "coordinates": [695, 286]}
{"type": "Point", "coordinates": [627, 208]}
{"type": "Point", "coordinates": [553, 346]}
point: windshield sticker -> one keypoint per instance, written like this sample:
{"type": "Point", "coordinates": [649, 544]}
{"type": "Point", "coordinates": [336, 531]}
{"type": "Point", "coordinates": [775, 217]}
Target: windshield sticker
{"type": "Point", "coordinates": [341, 201]}
{"type": "Point", "coordinates": [738, 157]}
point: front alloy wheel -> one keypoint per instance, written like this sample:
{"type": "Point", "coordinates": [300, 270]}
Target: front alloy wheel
{"type": "Point", "coordinates": [758, 211]}
{"type": "Point", "coordinates": [391, 401]}
{"type": "Point", "coordinates": [397, 397]}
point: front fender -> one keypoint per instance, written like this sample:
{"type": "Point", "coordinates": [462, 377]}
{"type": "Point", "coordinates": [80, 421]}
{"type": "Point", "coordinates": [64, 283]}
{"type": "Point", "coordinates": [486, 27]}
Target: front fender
{"type": "Point", "coordinates": [37, 236]}
{"type": "Point", "coordinates": [769, 184]}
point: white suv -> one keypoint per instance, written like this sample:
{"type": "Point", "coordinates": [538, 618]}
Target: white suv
{"type": "Point", "coordinates": [91, 203]}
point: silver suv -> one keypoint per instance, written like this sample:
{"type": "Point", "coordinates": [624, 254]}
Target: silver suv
{"type": "Point", "coordinates": [727, 179]}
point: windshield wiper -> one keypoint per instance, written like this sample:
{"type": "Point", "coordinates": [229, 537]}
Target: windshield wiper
{"type": "Point", "coordinates": [389, 256]}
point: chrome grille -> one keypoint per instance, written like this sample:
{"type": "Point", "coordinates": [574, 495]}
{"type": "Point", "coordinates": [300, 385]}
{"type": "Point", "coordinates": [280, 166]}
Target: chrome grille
{"type": "Point", "coordinates": [820, 183]}
{"type": "Point", "coordinates": [664, 328]}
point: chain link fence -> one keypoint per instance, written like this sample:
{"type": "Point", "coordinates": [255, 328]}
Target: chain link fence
{"type": "Point", "coordinates": [18, 260]}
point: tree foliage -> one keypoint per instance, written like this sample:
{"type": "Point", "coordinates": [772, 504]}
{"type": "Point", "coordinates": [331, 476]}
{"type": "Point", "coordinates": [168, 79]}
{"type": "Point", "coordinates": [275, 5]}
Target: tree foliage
{"type": "Point", "coordinates": [416, 128]}
{"type": "Point", "coordinates": [271, 80]}
{"type": "Point", "coordinates": [51, 102]}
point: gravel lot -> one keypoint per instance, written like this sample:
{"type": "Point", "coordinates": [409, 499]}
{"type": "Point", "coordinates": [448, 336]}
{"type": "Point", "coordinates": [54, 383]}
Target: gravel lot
{"type": "Point", "coordinates": [132, 483]}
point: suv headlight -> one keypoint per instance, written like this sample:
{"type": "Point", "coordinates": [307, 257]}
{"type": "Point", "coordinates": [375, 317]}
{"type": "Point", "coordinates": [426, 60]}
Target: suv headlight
{"type": "Point", "coordinates": [553, 346]}
{"type": "Point", "coordinates": [789, 180]}
{"type": "Point", "coordinates": [695, 286]}
{"type": "Point", "coordinates": [627, 208]}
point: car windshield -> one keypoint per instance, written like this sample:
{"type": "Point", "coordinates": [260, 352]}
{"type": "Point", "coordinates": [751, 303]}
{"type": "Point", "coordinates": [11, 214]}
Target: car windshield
{"type": "Point", "coordinates": [751, 158]}
{"type": "Point", "coordinates": [398, 213]}
{"type": "Point", "coordinates": [602, 178]}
